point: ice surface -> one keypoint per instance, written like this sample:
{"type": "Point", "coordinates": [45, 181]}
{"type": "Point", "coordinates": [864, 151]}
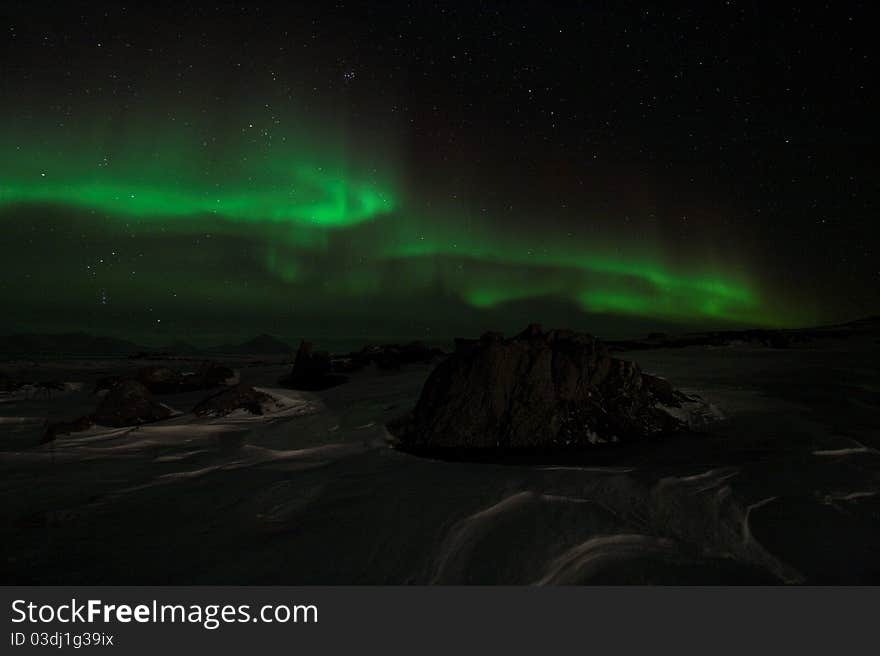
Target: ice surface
{"type": "Point", "coordinates": [779, 484]}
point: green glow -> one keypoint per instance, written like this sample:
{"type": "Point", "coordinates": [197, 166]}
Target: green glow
{"type": "Point", "coordinates": [285, 266]}
{"type": "Point", "coordinates": [662, 280]}
{"type": "Point", "coordinates": [273, 223]}
{"type": "Point", "coordinates": [313, 198]}
{"type": "Point", "coordinates": [493, 295]}
{"type": "Point", "coordinates": [178, 173]}
{"type": "Point", "coordinates": [636, 284]}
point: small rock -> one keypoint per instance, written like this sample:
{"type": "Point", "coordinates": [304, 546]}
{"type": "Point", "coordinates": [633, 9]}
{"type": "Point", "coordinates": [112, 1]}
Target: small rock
{"type": "Point", "coordinates": [106, 383]}
{"type": "Point", "coordinates": [208, 376]}
{"type": "Point", "coordinates": [129, 404]}
{"type": "Point", "coordinates": [240, 397]}
{"type": "Point", "coordinates": [159, 380]}
{"type": "Point", "coordinates": [312, 370]}
{"type": "Point", "coordinates": [66, 427]}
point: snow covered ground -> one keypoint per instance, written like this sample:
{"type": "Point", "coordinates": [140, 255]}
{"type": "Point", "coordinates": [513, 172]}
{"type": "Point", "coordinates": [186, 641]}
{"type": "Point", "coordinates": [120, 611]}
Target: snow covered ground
{"type": "Point", "coordinates": [780, 487]}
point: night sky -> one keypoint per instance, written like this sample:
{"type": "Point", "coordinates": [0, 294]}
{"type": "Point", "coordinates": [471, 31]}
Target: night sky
{"type": "Point", "coordinates": [348, 170]}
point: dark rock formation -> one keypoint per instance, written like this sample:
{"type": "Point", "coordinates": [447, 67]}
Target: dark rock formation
{"type": "Point", "coordinates": [346, 364]}
{"type": "Point", "coordinates": [537, 390]}
{"type": "Point", "coordinates": [7, 384]}
{"type": "Point", "coordinates": [312, 370]}
{"type": "Point", "coordinates": [388, 357]}
{"type": "Point", "coordinates": [48, 386]}
{"type": "Point", "coordinates": [129, 404]}
{"type": "Point", "coordinates": [107, 383]}
{"type": "Point", "coordinates": [10, 385]}
{"type": "Point", "coordinates": [662, 391]}
{"type": "Point", "coordinates": [67, 427]}
{"type": "Point", "coordinates": [208, 376]}
{"type": "Point", "coordinates": [160, 380]}
{"type": "Point", "coordinates": [240, 397]}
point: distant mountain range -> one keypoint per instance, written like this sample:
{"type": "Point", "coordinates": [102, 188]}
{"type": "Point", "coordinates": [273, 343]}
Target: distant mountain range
{"type": "Point", "coordinates": [67, 343]}
{"type": "Point", "coordinates": [79, 343]}
{"type": "Point", "coordinates": [772, 337]}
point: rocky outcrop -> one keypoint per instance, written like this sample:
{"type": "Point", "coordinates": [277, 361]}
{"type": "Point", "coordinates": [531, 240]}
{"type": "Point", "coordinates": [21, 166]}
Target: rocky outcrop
{"type": "Point", "coordinates": [240, 397]}
{"type": "Point", "coordinates": [208, 376]}
{"type": "Point", "coordinates": [662, 391]}
{"type": "Point", "coordinates": [129, 404]}
{"type": "Point", "coordinates": [312, 370]}
{"type": "Point", "coordinates": [66, 427]}
{"type": "Point", "coordinates": [9, 385]}
{"type": "Point", "coordinates": [106, 383]}
{"type": "Point", "coordinates": [162, 380]}
{"type": "Point", "coordinates": [387, 357]}
{"type": "Point", "coordinates": [538, 390]}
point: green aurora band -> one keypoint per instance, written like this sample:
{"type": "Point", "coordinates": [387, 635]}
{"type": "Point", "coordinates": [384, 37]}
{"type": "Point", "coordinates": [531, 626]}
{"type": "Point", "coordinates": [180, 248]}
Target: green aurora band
{"type": "Point", "coordinates": [600, 283]}
{"type": "Point", "coordinates": [311, 210]}
{"type": "Point", "coordinates": [247, 180]}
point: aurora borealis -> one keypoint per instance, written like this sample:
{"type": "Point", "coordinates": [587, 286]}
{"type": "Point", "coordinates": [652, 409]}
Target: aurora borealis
{"type": "Point", "coordinates": [163, 187]}
{"type": "Point", "coordinates": [170, 183]}
{"type": "Point", "coordinates": [299, 212]}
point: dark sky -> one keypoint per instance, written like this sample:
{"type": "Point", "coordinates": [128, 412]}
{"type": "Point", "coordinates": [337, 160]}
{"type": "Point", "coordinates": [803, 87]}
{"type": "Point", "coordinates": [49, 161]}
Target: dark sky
{"type": "Point", "coordinates": [420, 169]}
